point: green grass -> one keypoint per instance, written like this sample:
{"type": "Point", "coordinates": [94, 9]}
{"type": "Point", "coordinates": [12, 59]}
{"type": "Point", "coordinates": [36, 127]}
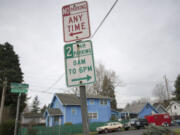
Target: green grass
{"type": "Point", "coordinates": [177, 131]}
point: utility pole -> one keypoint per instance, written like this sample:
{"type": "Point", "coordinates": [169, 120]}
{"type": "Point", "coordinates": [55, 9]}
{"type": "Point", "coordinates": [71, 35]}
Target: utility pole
{"type": "Point", "coordinates": [3, 99]}
{"type": "Point", "coordinates": [166, 82]}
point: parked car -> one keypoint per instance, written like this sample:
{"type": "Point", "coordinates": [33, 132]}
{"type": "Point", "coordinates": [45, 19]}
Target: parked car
{"type": "Point", "coordinates": [109, 127]}
{"type": "Point", "coordinates": [177, 122]}
{"type": "Point", "coordinates": [132, 121]}
{"type": "Point", "coordinates": [127, 126]}
{"type": "Point", "coordinates": [159, 119]}
{"type": "Point", "coordinates": [138, 123]}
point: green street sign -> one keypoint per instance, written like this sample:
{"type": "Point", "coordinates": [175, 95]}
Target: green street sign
{"type": "Point", "coordinates": [19, 88]}
{"type": "Point", "coordinates": [79, 63]}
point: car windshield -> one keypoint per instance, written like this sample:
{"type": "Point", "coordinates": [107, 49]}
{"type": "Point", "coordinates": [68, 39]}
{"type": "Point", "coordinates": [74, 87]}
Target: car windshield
{"type": "Point", "coordinates": [106, 124]}
{"type": "Point", "coordinates": [132, 120]}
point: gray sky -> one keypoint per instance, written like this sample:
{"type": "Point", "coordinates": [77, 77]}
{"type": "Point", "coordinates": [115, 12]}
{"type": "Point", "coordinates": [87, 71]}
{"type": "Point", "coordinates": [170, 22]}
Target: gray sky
{"type": "Point", "coordinates": [139, 41]}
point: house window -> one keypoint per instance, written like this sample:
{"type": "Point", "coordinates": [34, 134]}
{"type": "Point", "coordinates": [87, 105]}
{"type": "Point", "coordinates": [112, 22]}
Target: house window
{"type": "Point", "coordinates": [103, 101]}
{"type": "Point", "coordinates": [91, 101]}
{"type": "Point", "coordinates": [92, 115]}
{"type": "Point", "coordinates": [73, 110]}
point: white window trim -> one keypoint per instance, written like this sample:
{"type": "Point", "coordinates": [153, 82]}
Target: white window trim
{"type": "Point", "coordinates": [93, 118]}
{"type": "Point", "coordinates": [103, 100]}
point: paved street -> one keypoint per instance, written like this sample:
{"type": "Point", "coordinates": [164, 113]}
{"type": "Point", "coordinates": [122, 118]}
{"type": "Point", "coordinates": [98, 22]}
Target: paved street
{"type": "Point", "coordinates": [130, 132]}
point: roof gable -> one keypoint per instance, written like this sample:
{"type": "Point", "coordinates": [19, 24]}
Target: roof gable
{"type": "Point", "coordinates": [173, 102]}
{"type": "Point", "coordinates": [136, 108]}
{"type": "Point", "coordinates": [149, 106]}
{"type": "Point", "coordinates": [68, 99]}
{"type": "Point", "coordinates": [160, 108]}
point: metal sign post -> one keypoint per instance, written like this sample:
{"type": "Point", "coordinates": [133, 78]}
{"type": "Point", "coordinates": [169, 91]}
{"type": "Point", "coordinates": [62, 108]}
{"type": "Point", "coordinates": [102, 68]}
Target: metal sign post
{"type": "Point", "coordinates": [18, 88]}
{"type": "Point", "coordinates": [17, 114]}
{"type": "Point", "coordinates": [84, 113]}
{"type": "Point", "coordinates": [79, 59]}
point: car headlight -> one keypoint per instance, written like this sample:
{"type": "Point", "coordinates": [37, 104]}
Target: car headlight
{"type": "Point", "coordinates": [98, 129]}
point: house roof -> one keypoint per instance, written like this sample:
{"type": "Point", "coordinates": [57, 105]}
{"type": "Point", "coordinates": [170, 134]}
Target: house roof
{"type": "Point", "coordinates": [32, 115]}
{"type": "Point", "coordinates": [97, 97]}
{"type": "Point", "coordinates": [71, 99]}
{"type": "Point", "coordinates": [155, 105]}
{"type": "Point", "coordinates": [159, 107]}
{"type": "Point", "coordinates": [68, 99]}
{"type": "Point", "coordinates": [54, 111]}
{"type": "Point", "coordinates": [171, 103]}
{"type": "Point", "coordinates": [136, 108]}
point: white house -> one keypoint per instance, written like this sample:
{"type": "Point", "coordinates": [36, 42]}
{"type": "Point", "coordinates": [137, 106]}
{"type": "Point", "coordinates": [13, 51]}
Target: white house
{"type": "Point", "coordinates": [32, 118]}
{"type": "Point", "coordinates": [174, 108]}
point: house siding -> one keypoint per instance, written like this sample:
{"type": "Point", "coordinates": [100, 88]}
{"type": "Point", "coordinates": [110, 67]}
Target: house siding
{"type": "Point", "coordinates": [75, 117]}
{"type": "Point", "coordinates": [56, 103]}
{"type": "Point", "coordinates": [147, 110]}
{"type": "Point", "coordinates": [103, 111]}
{"type": "Point", "coordinates": [174, 109]}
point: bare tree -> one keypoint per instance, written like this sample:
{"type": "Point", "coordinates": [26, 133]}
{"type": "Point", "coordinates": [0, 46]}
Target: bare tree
{"type": "Point", "coordinates": [160, 92]}
{"type": "Point", "coordinates": [73, 90]}
{"type": "Point", "coordinates": [101, 72]}
{"type": "Point", "coordinates": [141, 101]}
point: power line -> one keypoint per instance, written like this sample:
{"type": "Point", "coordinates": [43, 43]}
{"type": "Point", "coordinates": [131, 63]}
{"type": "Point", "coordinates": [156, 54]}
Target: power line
{"type": "Point", "coordinates": [104, 18]}
{"type": "Point", "coordinates": [43, 91]}
{"type": "Point", "coordinates": [56, 81]}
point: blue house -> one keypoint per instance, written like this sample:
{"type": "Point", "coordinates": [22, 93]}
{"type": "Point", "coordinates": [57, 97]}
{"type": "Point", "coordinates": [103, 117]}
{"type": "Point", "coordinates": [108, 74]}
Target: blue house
{"type": "Point", "coordinates": [141, 109]}
{"type": "Point", "coordinates": [66, 108]}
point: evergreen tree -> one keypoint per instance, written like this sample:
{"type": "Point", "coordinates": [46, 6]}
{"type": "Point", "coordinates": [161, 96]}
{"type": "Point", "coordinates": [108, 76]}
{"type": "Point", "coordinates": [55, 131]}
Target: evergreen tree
{"type": "Point", "coordinates": [10, 69]}
{"type": "Point", "coordinates": [108, 90]}
{"type": "Point", "coordinates": [35, 105]}
{"type": "Point", "coordinates": [43, 109]}
{"type": "Point", "coordinates": [177, 86]}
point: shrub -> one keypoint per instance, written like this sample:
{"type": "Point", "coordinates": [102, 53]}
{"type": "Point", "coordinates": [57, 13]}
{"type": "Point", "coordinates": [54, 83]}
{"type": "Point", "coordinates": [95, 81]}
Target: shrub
{"type": "Point", "coordinates": [157, 130]}
{"type": "Point", "coordinates": [68, 123]}
{"type": "Point", "coordinates": [7, 127]}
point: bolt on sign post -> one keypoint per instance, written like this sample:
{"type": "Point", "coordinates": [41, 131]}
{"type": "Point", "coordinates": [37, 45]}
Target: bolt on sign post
{"type": "Point", "coordinates": [76, 21]}
{"type": "Point", "coordinates": [79, 63]}
{"type": "Point", "coordinates": [18, 88]}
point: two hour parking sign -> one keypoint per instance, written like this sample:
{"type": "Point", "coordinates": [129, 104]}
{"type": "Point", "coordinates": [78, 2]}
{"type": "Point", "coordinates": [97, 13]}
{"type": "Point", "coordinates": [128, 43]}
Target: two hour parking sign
{"type": "Point", "coordinates": [79, 63]}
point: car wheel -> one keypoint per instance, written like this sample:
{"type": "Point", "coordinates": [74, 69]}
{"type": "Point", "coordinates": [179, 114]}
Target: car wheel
{"type": "Point", "coordinates": [126, 128]}
{"type": "Point", "coordinates": [106, 131]}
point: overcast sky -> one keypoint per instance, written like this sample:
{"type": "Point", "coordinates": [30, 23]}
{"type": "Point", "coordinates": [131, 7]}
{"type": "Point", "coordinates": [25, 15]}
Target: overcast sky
{"type": "Point", "coordinates": [140, 41]}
